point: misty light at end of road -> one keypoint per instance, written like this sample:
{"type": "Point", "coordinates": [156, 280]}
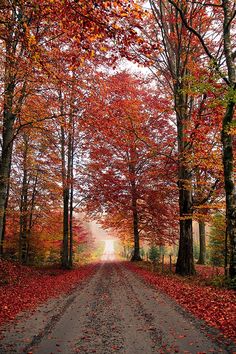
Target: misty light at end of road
{"type": "Point", "coordinates": [109, 252]}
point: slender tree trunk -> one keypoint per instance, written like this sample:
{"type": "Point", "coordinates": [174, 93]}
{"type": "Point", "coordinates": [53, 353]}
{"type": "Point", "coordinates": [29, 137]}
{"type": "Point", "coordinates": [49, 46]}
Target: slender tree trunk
{"type": "Point", "coordinates": [5, 162]}
{"type": "Point", "coordinates": [5, 214]}
{"type": "Point", "coordinates": [24, 208]}
{"type": "Point", "coordinates": [31, 214]}
{"type": "Point", "coordinates": [34, 192]}
{"type": "Point", "coordinates": [226, 138]}
{"type": "Point", "coordinates": [11, 44]}
{"type": "Point", "coordinates": [230, 190]}
{"type": "Point", "coordinates": [65, 255]}
{"type": "Point", "coordinates": [71, 229]}
{"type": "Point", "coordinates": [136, 255]}
{"type": "Point", "coordinates": [65, 194]}
{"type": "Point", "coordinates": [64, 260]}
{"type": "Point", "coordinates": [185, 261]}
{"type": "Point", "coordinates": [226, 255]}
{"type": "Point", "coordinates": [70, 169]}
{"type": "Point", "coordinates": [202, 243]}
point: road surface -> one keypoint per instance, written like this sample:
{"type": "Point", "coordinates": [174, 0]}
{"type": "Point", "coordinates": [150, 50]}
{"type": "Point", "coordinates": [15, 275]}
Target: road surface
{"type": "Point", "coordinates": [112, 312]}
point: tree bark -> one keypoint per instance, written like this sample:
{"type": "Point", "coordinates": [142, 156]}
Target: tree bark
{"type": "Point", "coordinates": [185, 261]}
{"type": "Point", "coordinates": [65, 260]}
{"type": "Point", "coordinates": [136, 255]}
{"type": "Point", "coordinates": [70, 177]}
{"type": "Point", "coordinates": [71, 229]}
{"type": "Point", "coordinates": [13, 48]}
{"type": "Point", "coordinates": [226, 138]}
{"type": "Point", "coordinates": [67, 157]}
{"type": "Point", "coordinates": [202, 243]}
{"type": "Point", "coordinates": [230, 191]}
{"type": "Point", "coordinates": [23, 254]}
{"type": "Point", "coordinates": [5, 162]}
{"type": "Point", "coordinates": [65, 195]}
{"type": "Point", "coordinates": [5, 213]}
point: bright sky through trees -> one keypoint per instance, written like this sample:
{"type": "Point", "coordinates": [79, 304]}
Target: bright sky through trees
{"type": "Point", "coordinates": [109, 251]}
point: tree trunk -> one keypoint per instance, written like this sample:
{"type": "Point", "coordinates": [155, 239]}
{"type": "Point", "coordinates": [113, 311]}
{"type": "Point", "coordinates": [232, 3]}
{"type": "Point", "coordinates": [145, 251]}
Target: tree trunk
{"type": "Point", "coordinates": [202, 243]}
{"type": "Point", "coordinates": [136, 255]}
{"type": "Point", "coordinates": [11, 45]}
{"type": "Point", "coordinates": [230, 191]}
{"type": "Point", "coordinates": [226, 255]}
{"type": "Point", "coordinates": [33, 203]}
{"type": "Point", "coordinates": [226, 138]}
{"type": "Point", "coordinates": [65, 261]}
{"type": "Point", "coordinates": [5, 165]}
{"type": "Point", "coordinates": [70, 176]}
{"type": "Point", "coordinates": [71, 229]}
{"type": "Point", "coordinates": [185, 261]}
{"type": "Point", "coordinates": [5, 214]}
{"type": "Point", "coordinates": [65, 195]}
{"type": "Point", "coordinates": [24, 209]}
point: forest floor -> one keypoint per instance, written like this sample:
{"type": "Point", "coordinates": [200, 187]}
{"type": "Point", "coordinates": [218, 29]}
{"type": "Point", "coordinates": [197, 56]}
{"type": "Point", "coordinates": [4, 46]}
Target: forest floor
{"type": "Point", "coordinates": [115, 308]}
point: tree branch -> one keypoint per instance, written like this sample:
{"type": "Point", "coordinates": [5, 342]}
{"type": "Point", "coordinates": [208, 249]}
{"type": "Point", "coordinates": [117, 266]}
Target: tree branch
{"type": "Point", "coordinates": [204, 200]}
{"type": "Point", "coordinates": [206, 4]}
{"type": "Point", "coordinates": [198, 35]}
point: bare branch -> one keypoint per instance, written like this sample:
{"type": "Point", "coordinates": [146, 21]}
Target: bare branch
{"type": "Point", "coordinates": [231, 19]}
{"type": "Point", "coordinates": [24, 125]}
{"type": "Point", "coordinates": [211, 191]}
{"type": "Point", "coordinates": [198, 35]}
{"type": "Point", "coordinates": [206, 4]}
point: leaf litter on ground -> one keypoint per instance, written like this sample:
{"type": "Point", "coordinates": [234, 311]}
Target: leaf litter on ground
{"type": "Point", "coordinates": [217, 307]}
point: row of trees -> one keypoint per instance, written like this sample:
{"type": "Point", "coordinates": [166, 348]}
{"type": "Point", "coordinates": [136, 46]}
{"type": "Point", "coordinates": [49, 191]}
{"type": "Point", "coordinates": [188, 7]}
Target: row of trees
{"type": "Point", "coordinates": [202, 32]}
{"type": "Point", "coordinates": [43, 83]}
{"type": "Point", "coordinates": [141, 154]}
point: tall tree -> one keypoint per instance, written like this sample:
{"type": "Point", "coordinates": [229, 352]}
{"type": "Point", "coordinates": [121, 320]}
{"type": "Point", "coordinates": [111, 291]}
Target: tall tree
{"type": "Point", "coordinates": [14, 19]}
{"type": "Point", "coordinates": [178, 50]}
{"type": "Point", "coordinates": [33, 39]}
{"type": "Point", "coordinates": [129, 157]}
{"type": "Point", "coordinates": [225, 12]}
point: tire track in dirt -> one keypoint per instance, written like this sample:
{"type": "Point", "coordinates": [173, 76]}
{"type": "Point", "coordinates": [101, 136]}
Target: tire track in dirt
{"type": "Point", "coordinates": [114, 312]}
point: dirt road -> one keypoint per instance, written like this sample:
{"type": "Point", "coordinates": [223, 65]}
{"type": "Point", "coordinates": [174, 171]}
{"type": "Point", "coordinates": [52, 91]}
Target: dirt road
{"type": "Point", "coordinates": [114, 312]}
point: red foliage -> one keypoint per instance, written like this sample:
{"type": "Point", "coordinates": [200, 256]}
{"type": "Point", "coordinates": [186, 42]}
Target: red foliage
{"type": "Point", "coordinates": [24, 288]}
{"type": "Point", "coordinates": [206, 272]}
{"type": "Point", "coordinates": [217, 307]}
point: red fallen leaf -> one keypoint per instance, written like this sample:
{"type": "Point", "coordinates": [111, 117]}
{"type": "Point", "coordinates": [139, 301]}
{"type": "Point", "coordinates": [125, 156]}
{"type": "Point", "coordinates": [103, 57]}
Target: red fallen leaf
{"type": "Point", "coordinates": [217, 307]}
{"type": "Point", "coordinates": [28, 287]}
